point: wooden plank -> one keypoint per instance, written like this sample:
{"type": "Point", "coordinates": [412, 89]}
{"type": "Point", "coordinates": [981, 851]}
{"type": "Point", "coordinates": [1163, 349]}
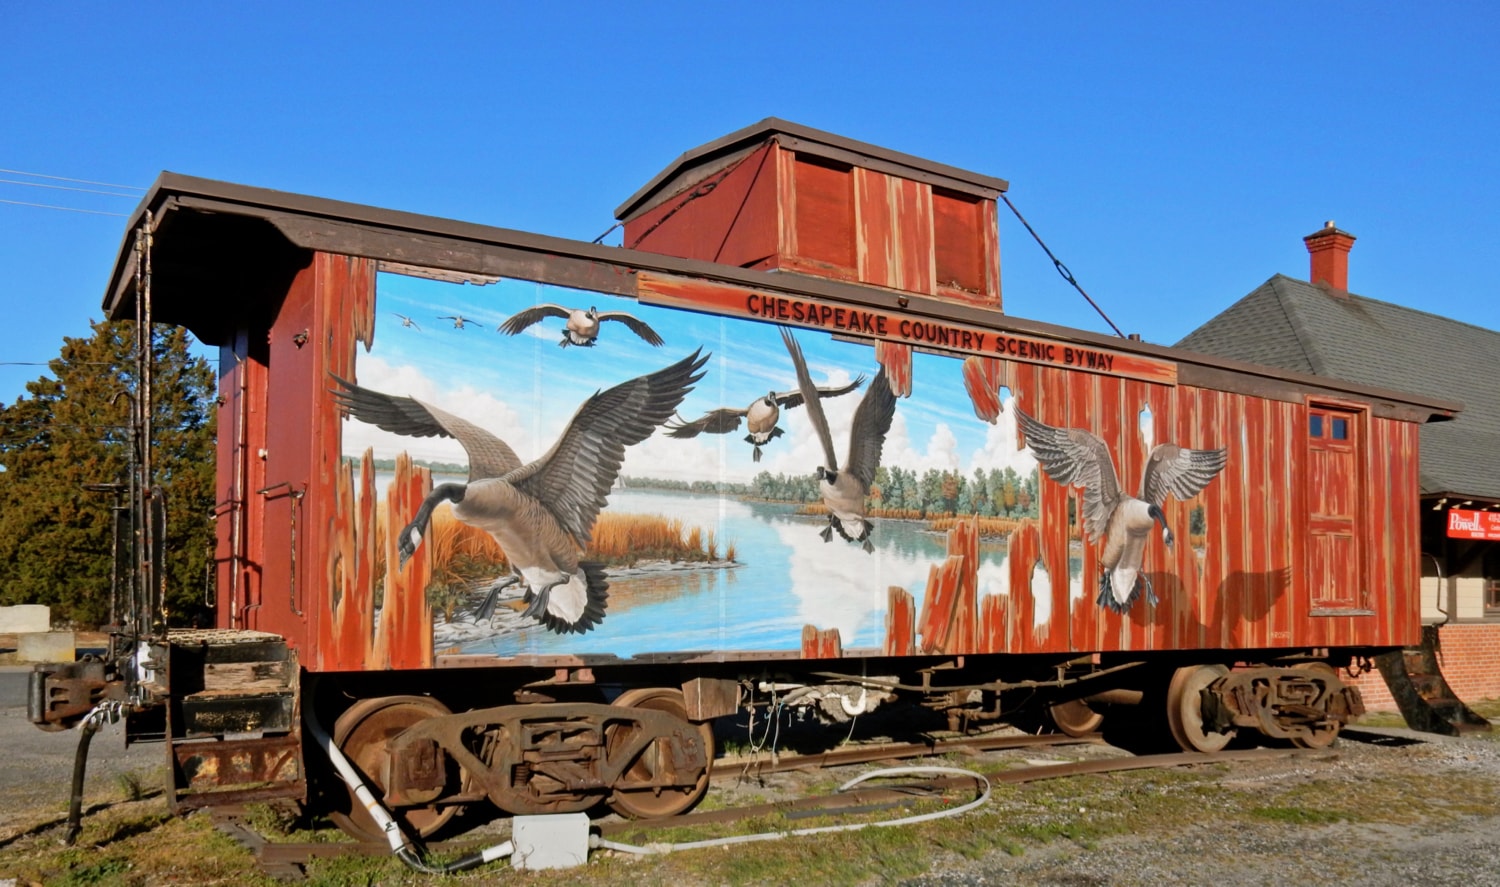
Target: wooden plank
{"type": "Point", "coordinates": [1025, 542]}
{"type": "Point", "coordinates": [982, 381]}
{"type": "Point", "coordinates": [911, 210]}
{"type": "Point", "coordinates": [821, 643]}
{"type": "Point", "coordinates": [1162, 561]}
{"type": "Point", "coordinates": [1207, 431]}
{"type": "Point", "coordinates": [822, 214]}
{"type": "Point", "coordinates": [961, 251]}
{"type": "Point", "coordinates": [1025, 553]}
{"type": "Point", "coordinates": [1114, 419]}
{"type": "Point", "coordinates": [1255, 436]}
{"type": "Point", "coordinates": [896, 358]}
{"type": "Point", "coordinates": [876, 242]}
{"type": "Point", "coordinates": [900, 622]}
{"type": "Point", "coordinates": [1081, 618]}
{"type": "Point", "coordinates": [1055, 525]}
{"type": "Point", "coordinates": [963, 542]}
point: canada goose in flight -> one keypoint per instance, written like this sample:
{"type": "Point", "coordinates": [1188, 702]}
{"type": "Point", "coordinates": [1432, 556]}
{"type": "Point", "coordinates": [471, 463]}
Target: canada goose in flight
{"type": "Point", "coordinates": [542, 513]}
{"type": "Point", "coordinates": [844, 491]}
{"type": "Point", "coordinates": [582, 327]}
{"type": "Point", "coordinates": [459, 321]}
{"type": "Point", "coordinates": [1078, 457]}
{"type": "Point", "coordinates": [761, 417]}
{"type": "Point", "coordinates": [407, 321]}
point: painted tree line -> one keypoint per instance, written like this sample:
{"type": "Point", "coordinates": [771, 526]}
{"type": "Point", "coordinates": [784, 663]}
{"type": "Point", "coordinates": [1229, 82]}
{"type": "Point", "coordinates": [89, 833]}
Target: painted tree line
{"type": "Point", "coordinates": [933, 493]}
{"type": "Point", "coordinates": [73, 430]}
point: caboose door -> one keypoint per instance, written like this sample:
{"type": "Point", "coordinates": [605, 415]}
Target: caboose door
{"type": "Point", "coordinates": [1333, 503]}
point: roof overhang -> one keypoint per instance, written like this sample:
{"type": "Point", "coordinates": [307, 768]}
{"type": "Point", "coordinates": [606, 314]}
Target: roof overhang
{"type": "Point", "coordinates": [221, 249]}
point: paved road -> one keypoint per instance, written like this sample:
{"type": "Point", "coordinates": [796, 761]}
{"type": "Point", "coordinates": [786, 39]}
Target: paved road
{"type": "Point", "coordinates": [37, 767]}
{"type": "Point", "coordinates": [13, 686]}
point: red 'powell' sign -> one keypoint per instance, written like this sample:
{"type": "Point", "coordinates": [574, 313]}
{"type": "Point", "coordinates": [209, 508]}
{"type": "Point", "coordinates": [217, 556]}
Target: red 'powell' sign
{"type": "Point", "coordinates": [1473, 524]}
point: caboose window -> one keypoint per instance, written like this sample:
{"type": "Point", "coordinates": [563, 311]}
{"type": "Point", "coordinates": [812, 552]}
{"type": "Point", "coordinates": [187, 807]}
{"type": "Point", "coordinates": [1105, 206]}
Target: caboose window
{"type": "Point", "coordinates": [1315, 425]}
{"type": "Point", "coordinates": [1340, 429]}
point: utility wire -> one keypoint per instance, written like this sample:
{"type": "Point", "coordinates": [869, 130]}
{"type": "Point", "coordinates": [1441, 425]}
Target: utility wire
{"type": "Point", "coordinates": [37, 175]}
{"type": "Point", "coordinates": [66, 188]}
{"type": "Point", "coordinates": [71, 209]}
{"type": "Point", "coordinates": [1061, 268]}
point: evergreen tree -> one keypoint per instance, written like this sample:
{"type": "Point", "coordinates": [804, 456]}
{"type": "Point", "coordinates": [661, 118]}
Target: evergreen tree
{"type": "Point", "coordinates": [56, 537]}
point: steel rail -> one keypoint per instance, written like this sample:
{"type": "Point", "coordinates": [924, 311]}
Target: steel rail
{"type": "Point", "coordinates": [737, 766]}
{"type": "Point", "coordinates": [286, 859]}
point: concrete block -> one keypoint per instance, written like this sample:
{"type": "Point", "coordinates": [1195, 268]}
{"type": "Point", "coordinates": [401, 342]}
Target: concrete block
{"type": "Point", "coordinates": [554, 841]}
{"type": "Point", "coordinates": [23, 618]}
{"type": "Point", "coordinates": [46, 646]}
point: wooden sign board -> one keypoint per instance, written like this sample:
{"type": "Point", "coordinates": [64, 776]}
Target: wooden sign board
{"type": "Point", "coordinates": [874, 323]}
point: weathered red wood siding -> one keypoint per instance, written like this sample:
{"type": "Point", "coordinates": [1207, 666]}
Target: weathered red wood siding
{"type": "Point", "coordinates": [798, 211]}
{"type": "Point", "coordinates": [1250, 588]}
{"type": "Point", "coordinates": [731, 216]}
{"type": "Point", "coordinates": [291, 458]}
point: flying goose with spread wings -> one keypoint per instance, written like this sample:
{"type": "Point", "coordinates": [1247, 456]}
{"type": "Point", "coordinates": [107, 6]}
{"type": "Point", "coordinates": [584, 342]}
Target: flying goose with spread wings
{"type": "Point", "coordinates": [844, 490]}
{"type": "Point", "coordinates": [760, 417]}
{"type": "Point", "coordinates": [582, 327]}
{"type": "Point", "coordinates": [542, 513]}
{"type": "Point", "coordinates": [1078, 457]}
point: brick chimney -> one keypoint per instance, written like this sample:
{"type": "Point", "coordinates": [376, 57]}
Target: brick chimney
{"type": "Point", "coordinates": [1328, 249]}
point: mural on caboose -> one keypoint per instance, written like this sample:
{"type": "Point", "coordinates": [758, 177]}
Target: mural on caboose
{"type": "Point", "coordinates": [614, 477]}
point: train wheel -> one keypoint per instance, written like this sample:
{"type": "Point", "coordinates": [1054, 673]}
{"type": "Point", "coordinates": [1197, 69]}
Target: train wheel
{"type": "Point", "coordinates": [633, 795]}
{"type": "Point", "coordinates": [363, 734]}
{"type": "Point", "coordinates": [1325, 733]}
{"type": "Point", "coordinates": [1185, 709]}
{"type": "Point", "coordinates": [1075, 717]}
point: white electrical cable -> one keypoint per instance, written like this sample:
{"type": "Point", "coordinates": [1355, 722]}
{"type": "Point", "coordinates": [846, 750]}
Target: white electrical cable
{"type": "Point", "coordinates": [984, 796]}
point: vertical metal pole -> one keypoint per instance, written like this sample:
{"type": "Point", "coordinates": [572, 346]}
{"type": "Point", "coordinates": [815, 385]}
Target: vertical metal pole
{"type": "Point", "coordinates": [150, 614]}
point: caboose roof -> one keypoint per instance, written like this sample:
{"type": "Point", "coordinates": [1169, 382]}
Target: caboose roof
{"type": "Point", "coordinates": [1308, 328]}
{"type": "Point", "coordinates": [694, 165]}
{"type": "Point", "coordinates": [222, 253]}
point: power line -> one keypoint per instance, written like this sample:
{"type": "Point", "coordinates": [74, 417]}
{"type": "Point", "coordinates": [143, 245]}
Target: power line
{"type": "Point", "coordinates": [65, 188]}
{"type": "Point", "coordinates": [43, 363]}
{"type": "Point", "coordinates": [37, 175]}
{"type": "Point", "coordinates": [1061, 268]}
{"type": "Point", "coordinates": [71, 209]}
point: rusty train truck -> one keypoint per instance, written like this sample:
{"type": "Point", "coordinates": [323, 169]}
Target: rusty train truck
{"type": "Point", "coordinates": [513, 518]}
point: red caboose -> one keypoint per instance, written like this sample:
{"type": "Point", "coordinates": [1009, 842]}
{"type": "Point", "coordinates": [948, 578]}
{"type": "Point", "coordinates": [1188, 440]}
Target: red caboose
{"type": "Point", "coordinates": [474, 482]}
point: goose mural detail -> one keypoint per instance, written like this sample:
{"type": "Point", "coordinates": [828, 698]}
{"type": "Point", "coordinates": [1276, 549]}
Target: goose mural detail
{"type": "Point", "coordinates": [844, 490]}
{"type": "Point", "coordinates": [542, 513]}
{"type": "Point", "coordinates": [407, 321]}
{"type": "Point", "coordinates": [459, 321]}
{"type": "Point", "coordinates": [1073, 456]}
{"type": "Point", "coordinates": [760, 417]}
{"type": "Point", "coordinates": [582, 327]}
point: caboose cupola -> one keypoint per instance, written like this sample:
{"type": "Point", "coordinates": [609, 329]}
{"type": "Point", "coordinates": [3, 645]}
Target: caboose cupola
{"type": "Point", "coordinates": [784, 197]}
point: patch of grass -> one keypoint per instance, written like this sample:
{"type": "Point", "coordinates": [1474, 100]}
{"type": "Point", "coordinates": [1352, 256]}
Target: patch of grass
{"type": "Point", "coordinates": [133, 786]}
{"type": "Point", "coordinates": [1298, 815]}
{"type": "Point", "coordinates": [110, 870]}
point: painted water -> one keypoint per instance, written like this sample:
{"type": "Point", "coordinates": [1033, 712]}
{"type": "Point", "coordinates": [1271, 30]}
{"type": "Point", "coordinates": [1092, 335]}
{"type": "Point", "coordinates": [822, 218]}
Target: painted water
{"type": "Point", "coordinates": [786, 577]}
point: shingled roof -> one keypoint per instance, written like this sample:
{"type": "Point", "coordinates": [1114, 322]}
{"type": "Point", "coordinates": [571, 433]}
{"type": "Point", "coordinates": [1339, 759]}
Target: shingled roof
{"type": "Point", "coordinates": [1307, 327]}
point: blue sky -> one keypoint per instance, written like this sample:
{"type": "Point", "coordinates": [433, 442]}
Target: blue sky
{"type": "Point", "coordinates": [1173, 155]}
{"type": "Point", "coordinates": [526, 389]}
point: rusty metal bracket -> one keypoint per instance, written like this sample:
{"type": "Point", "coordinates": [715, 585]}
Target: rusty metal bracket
{"type": "Point", "coordinates": [553, 757]}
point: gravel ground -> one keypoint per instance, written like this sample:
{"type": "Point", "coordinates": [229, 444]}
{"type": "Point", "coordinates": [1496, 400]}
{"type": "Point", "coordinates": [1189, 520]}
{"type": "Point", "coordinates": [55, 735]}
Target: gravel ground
{"type": "Point", "coordinates": [1460, 850]}
{"type": "Point", "coordinates": [1448, 833]}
